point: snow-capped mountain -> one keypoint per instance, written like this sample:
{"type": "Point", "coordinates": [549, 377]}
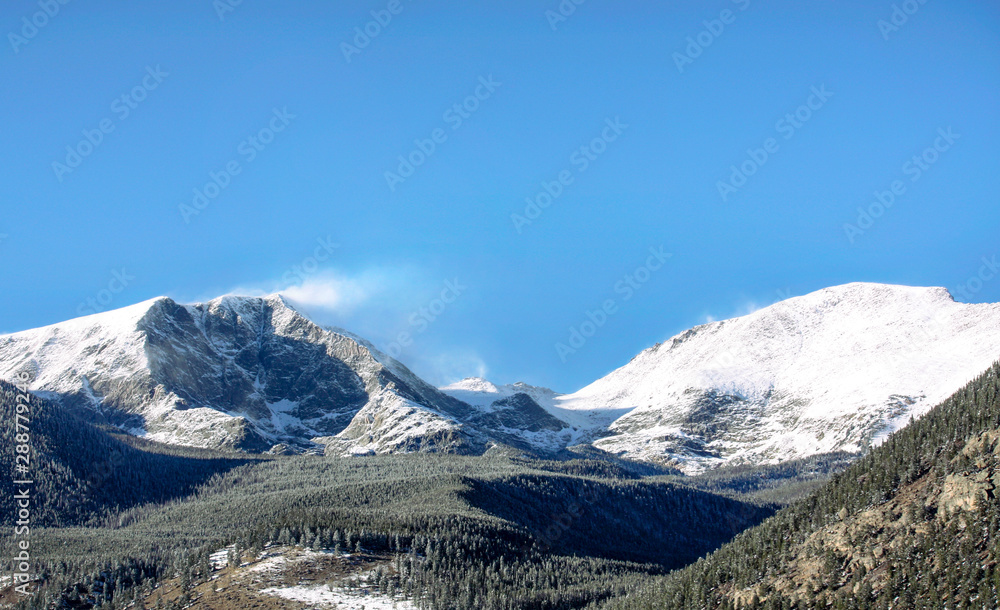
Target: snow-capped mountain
{"type": "Point", "coordinates": [241, 372]}
{"type": "Point", "coordinates": [834, 370]}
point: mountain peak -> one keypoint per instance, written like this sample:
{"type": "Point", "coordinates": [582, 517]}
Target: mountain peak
{"type": "Point", "coordinates": [877, 293]}
{"type": "Point", "coordinates": [861, 296]}
{"type": "Point", "coordinates": [238, 302]}
{"type": "Point", "coordinates": [244, 372]}
{"type": "Point", "coordinates": [832, 370]}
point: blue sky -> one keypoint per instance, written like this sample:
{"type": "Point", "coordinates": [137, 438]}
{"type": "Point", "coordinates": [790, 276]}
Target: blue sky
{"type": "Point", "coordinates": [616, 109]}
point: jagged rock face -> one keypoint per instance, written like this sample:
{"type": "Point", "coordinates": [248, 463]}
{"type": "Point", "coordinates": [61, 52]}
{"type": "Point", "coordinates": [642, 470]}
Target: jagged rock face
{"type": "Point", "coordinates": [236, 372]}
{"type": "Point", "coordinates": [835, 370]}
{"type": "Point", "coordinates": [255, 359]}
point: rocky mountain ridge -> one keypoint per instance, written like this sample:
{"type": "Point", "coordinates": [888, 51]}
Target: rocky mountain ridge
{"type": "Point", "coordinates": [834, 370]}
{"type": "Point", "coordinates": [237, 372]}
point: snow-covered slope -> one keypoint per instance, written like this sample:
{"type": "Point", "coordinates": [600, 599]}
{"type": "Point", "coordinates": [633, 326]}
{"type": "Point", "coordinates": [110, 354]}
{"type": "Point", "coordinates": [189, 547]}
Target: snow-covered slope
{"type": "Point", "coordinates": [244, 372]}
{"type": "Point", "coordinates": [834, 370]}
{"type": "Point", "coordinates": [517, 410]}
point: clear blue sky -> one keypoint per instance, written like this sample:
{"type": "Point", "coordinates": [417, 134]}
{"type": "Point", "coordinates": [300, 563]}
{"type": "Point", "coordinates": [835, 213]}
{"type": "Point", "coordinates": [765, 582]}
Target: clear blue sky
{"type": "Point", "coordinates": [207, 84]}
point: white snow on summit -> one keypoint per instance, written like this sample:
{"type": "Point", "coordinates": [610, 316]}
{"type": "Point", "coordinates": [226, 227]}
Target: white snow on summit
{"type": "Point", "coordinates": [834, 370]}
{"type": "Point", "coordinates": [482, 393]}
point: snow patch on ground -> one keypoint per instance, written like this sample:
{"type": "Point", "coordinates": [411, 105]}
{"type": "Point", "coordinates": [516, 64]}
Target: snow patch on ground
{"type": "Point", "coordinates": [220, 559]}
{"type": "Point", "coordinates": [336, 597]}
{"type": "Point", "coordinates": [269, 565]}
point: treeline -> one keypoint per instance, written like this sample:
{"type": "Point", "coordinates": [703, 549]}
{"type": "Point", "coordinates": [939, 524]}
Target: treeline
{"type": "Point", "coordinates": [639, 521]}
{"type": "Point", "coordinates": [776, 484]}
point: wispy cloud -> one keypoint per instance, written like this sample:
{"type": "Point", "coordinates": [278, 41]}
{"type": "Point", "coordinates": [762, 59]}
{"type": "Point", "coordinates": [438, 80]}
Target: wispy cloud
{"type": "Point", "coordinates": [332, 294]}
{"type": "Point", "coordinates": [378, 304]}
{"type": "Point", "coordinates": [335, 293]}
{"type": "Point", "coordinates": [747, 306]}
{"type": "Point", "coordinates": [450, 365]}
